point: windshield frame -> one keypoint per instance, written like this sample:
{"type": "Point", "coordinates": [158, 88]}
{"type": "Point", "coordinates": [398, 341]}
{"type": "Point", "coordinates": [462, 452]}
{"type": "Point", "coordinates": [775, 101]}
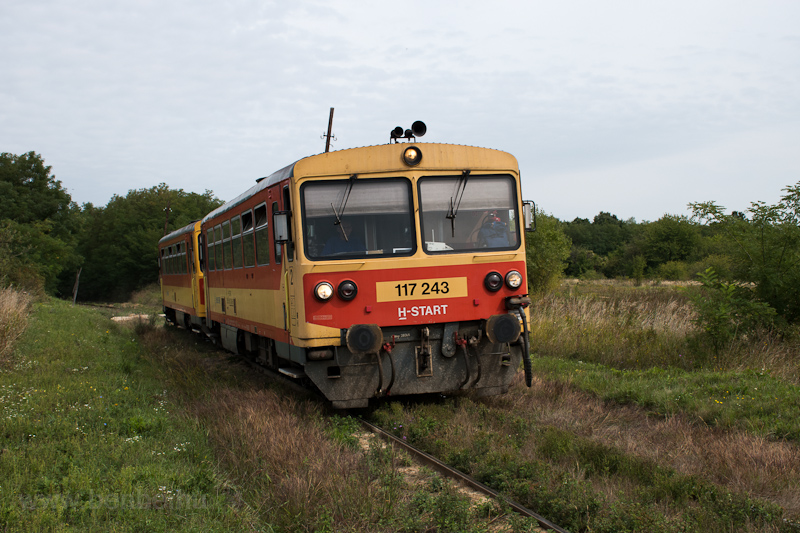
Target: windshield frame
{"type": "Point", "coordinates": [375, 230]}
{"type": "Point", "coordinates": [462, 217]}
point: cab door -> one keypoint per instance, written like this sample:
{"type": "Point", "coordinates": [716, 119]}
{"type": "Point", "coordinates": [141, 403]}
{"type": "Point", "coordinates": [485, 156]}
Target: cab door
{"type": "Point", "coordinates": [284, 256]}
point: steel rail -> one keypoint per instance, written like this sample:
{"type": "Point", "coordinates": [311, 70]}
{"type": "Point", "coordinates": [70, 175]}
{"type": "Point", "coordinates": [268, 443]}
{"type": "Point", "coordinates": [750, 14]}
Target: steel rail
{"type": "Point", "coordinates": [447, 471]}
{"type": "Point", "coordinates": [417, 454]}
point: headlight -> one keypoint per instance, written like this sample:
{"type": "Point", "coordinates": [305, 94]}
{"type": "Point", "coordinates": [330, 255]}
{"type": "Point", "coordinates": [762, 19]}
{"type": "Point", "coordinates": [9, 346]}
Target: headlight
{"type": "Point", "coordinates": [502, 328]}
{"type": "Point", "coordinates": [513, 279]}
{"type": "Point", "coordinates": [347, 290]}
{"type": "Point", "coordinates": [412, 156]}
{"type": "Point", "coordinates": [323, 291]}
{"type": "Point", "coordinates": [364, 338]}
{"type": "Point", "coordinates": [493, 281]}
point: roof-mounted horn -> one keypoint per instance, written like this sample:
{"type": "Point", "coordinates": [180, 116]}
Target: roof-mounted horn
{"type": "Point", "coordinates": [418, 129]}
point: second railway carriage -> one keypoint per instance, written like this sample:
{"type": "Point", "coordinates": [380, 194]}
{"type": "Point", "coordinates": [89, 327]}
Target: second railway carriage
{"type": "Point", "coordinates": [182, 284]}
{"type": "Point", "coordinates": [396, 269]}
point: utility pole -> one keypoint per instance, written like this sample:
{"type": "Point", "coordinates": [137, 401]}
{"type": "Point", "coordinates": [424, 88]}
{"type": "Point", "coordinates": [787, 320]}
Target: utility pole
{"type": "Point", "coordinates": [328, 136]}
{"type": "Point", "coordinates": [75, 288]}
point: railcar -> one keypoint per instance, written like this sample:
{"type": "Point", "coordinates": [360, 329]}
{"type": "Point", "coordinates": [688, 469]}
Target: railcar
{"type": "Point", "coordinates": [395, 269]}
{"type": "Point", "coordinates": [182, 284]}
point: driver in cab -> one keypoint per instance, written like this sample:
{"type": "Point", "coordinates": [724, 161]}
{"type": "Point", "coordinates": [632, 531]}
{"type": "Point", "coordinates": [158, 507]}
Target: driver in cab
{"type": "Point", "coordinates": [343, 241]}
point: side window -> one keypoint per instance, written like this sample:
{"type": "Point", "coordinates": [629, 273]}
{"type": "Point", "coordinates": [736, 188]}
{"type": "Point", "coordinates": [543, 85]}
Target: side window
{"type": "Point", "coordinates": [226, 245]}
{"type": "Point", "coordinates": [248, 245]}
{"type": "Point", "coordinates": [287, 206]}
{"type": "Point", "coordinates": [218, 246]}
{"type": "Point", "coordinates": [210, 254]}
{"type": "Point", "coordinates": [277, 246]}
{"type": "Point", "coordinates": [184, 265]}
{"type": "Point", "coordinates": [161, 262]}
{"type": "Point", "coordinates": [236, 240]}
{"type": "Point", "coordinates": [262, 235]}
{"type": "Point", "coordinates": [169, 260]}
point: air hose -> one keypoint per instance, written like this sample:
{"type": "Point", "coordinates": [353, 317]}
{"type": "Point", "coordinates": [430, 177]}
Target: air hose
{"type": "Point", "coordinates": [526, 347]}
{"type": "Point", "coordinates": [466, 365]}
{"type": "Point", "coordinates": [379, 392]}
{"type": "Point", "coordinates": [391, 362]}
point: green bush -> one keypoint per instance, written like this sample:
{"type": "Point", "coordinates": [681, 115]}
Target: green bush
{"type": "Point", "coordinates": [592, 275]}
{"type": "Point", "coordinates": [726, 310]}
{"type": "Point", "coordinates": [547, 250]}
{"type": "Point", "coordinates": [721, 263]}
{"type": "Point", "coordinates": [673, 271]}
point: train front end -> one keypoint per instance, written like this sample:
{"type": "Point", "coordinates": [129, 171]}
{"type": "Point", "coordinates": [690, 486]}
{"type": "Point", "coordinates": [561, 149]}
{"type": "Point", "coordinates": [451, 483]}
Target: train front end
{"type": "Point", "coordinates": [410, 275]}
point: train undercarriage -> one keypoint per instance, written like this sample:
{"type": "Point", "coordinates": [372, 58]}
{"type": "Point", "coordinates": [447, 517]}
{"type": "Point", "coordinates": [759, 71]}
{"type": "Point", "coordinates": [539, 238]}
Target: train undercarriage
{"type": "Point", "coordinates": [376, 362]}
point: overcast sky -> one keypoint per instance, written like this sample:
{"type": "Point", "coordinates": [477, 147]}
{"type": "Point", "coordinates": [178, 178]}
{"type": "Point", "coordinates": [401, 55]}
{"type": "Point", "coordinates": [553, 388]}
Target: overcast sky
{"type": "Point", "coordinates": [631, 107]}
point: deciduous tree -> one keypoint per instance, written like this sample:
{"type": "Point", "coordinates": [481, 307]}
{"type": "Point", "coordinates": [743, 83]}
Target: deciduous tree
{"type": "Point", "coordinates": [764, 243]}
{"type": "Point", "coordinates": [39, 223]}
{"type": "Point", "coordinates": [547, 250]}
{"type": "Point", "coordinates": [119, 241]}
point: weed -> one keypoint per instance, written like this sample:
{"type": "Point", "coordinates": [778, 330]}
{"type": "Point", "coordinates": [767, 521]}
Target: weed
{"type": "Point", "coordinates": [14, 309]}
{"type": "Point", "coordinates": [448, 510]}
{"type": "Point", "coordinates": [343, 429]}
{"type": "Point", "coordinates": [574, 480]}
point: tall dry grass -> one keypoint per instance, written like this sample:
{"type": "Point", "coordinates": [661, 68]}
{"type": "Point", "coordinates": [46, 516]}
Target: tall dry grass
{"type": "Point", "coordinates": [272, 447]}
{"type": "Point", "coordinates": [735, 459]}
{"type": "Point", "coordinates": [14, 311]}
{"type": "Point", "coordinates": [149, 296]}
{"type": "Point", "coordinates": [626, 329]}
{"type": "Point", "coordinates": [271, 444]}
{"type": "Point", "coordinates": [776, 353]}
{"type": "Point", "coordinates": [631, 327]}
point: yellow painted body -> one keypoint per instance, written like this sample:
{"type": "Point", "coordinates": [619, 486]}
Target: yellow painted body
{"type": "Point", "coordinates": [255, 305]}
{"type": "Point", "coordinates": [178, 296]}
{"type": "Point", "coordinates": [386, 160]}
{"type": "Point", "coordinates": [184, 291]}
{"type": "Point", "coordinates": [283, 308]}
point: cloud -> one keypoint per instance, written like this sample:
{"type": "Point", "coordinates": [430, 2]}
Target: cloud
{"type": "Point", "coordinates": [587, 95]}
{"type": "Point", "coordinates": [648, 189]}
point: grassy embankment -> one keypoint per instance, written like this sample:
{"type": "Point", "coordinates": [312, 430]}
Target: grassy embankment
{"type": "Point", "coordinates": [631, 425]}
{"type": "Point", "coordinates": [141, 428]}
{"type": "Point", "coordinates": [91, 439]}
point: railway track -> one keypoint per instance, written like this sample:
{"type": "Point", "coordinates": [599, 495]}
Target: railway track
{"type": "Point", "coordinates": [451, 473]}
{"type": "Point", "coordinates": [416, 454]}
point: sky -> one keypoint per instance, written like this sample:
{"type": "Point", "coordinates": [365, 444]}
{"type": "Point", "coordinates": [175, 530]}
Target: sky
{"type": "Point", "coordinates": [630, 107]}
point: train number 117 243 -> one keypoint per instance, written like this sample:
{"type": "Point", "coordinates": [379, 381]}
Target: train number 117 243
{"type": "Point", "coordinates": [409, 290]}
{"type": "Point", "coordinates": [421, 289]}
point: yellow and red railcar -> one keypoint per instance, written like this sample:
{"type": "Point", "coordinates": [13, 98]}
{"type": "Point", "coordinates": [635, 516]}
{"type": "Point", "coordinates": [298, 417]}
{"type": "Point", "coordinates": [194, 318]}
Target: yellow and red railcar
{"type": "Point", "coordinates": [396, 269]}
{"type": "Point", "coordinates": [182, 285]}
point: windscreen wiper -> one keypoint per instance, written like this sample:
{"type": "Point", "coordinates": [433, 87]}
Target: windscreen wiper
{"type": "Point", "coordinates": [340, 214]}
{"type": "Point", "coordinates": [455, 199]}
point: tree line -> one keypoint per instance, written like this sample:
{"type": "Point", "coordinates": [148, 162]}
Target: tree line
{"type": "Point", "coordinates": [671, 248]}
{"type": "Point", "coordinates": [756, 251]}
{"type": "Point", "coordinates": [748, 262]}
{"type": "Point", "coordinates": [45, 237]}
